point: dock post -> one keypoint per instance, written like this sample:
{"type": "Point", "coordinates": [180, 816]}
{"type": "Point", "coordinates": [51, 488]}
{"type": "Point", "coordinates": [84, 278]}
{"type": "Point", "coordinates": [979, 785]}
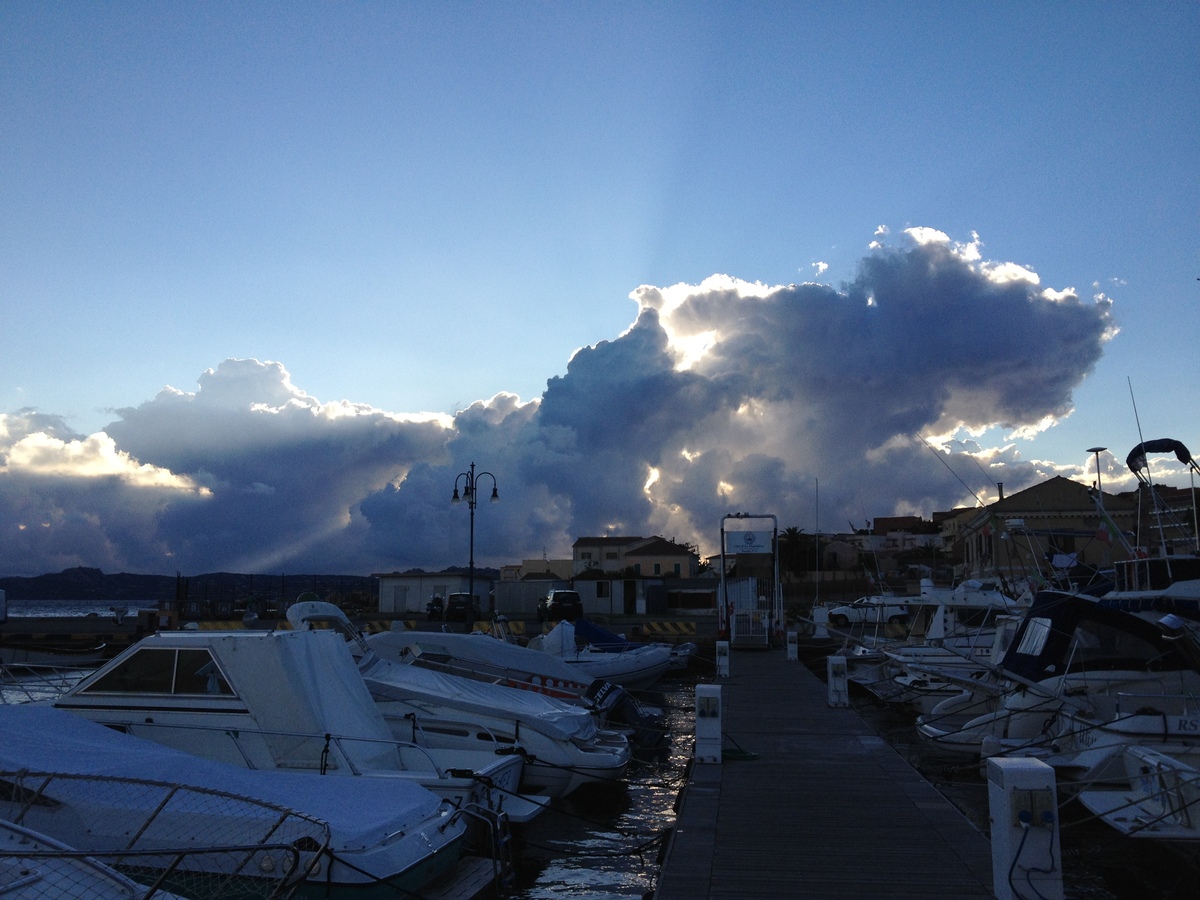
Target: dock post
{"type": "Point", "coordinates": [1023, 807]}
{"type": "Point", "coordinates": [722, 659]}
{"type": "Point", "coordinates": [793, 652]}
{"type": "Point", "coordinates": [838, 680]}
{"type": "Point", "coordinates": [820, 620]}
{"type": "Point", "coordinates": [708, 723]}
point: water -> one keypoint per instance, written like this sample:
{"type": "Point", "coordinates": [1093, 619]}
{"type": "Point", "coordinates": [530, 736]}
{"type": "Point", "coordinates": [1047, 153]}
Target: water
{"type": "Point", "coordinates": [102, 608]}
{"type": "Point", "coordinates": [605, 839]}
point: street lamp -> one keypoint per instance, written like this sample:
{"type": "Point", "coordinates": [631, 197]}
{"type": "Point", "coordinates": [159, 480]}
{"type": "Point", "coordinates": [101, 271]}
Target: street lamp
{"type": "Point", "coordinates": [1097, 451]}
{"type": "Point", "coordinates": [471, 495]}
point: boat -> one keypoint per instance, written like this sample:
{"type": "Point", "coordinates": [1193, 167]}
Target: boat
{"type": "Point", "coordinates": [598, 638]}
{"type": "Point", "coordinates": [1149, 793]}
{"type": "Point", "coordinates": [206, 829]}
{"type": "Point", "coordinates": [35, 866]}
{"type": "Point", "coordinates": [1083, 678]}
{"type": "Point", "coordinates": [634, 669]}
{"type": "Point", "coordinates": [562, 745]}
{"type": "Point", "coordinates": [285, 700]}
{"type": "Point", "coordinates": [954, 632]}
{"type": "Point", "coordinates": [485, 658]}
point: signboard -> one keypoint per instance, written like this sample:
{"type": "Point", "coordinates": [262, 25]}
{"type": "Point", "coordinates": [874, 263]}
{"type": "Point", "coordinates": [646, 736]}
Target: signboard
{"type": "Point", "coordinates": [748, 541]}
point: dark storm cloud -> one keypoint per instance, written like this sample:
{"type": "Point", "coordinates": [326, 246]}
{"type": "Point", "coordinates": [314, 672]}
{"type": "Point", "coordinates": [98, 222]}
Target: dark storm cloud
{"type": "Point", "coordinates": [724, 396]}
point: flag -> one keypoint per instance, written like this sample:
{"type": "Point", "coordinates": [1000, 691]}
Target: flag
{"type": "Point", "coordinates": [1107, 532]}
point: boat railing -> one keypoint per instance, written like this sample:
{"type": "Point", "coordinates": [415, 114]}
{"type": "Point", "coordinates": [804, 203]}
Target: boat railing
{"type": "Point", "coordinates": [1183, 704]}
{"type": "Point", "coordinates": [325, 740]}
{"type": "Point", "coordinates": [28, 682]}
{"type": "Point", "coordinates": [202, 842]}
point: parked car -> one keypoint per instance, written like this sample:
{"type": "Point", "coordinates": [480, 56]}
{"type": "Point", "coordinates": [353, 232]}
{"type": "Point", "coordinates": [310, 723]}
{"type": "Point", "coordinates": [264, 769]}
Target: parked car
{"type": "Point", "coordinates": [869, 610]}
{"type": "Point", "coordinates": [462, 608]}
{"type": "Point", "coordinates": [558, 605]}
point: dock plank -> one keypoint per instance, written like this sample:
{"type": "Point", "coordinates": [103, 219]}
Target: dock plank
{"type": "Point", "coordinates": [827, 809]}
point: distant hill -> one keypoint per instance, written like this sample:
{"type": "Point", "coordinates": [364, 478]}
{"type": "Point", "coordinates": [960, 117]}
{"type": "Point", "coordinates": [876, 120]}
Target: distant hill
{"type": "Point", "coordinates": [82, 583]}
{"type": "Point", "coordinates": [89, 584]}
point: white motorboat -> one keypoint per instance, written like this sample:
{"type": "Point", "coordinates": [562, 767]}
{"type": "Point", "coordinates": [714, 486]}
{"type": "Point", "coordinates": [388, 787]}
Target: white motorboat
{"type": "Point", "coordinates": [213, 830]}
{"type": "Point", "coordinates": [288, 700]}
{"type": "Point", "coordinates": [486, 658]}
{"type": "Point", "coordinates": [561, 743]}
{"type": "Point", "coordinates": [634, 669]}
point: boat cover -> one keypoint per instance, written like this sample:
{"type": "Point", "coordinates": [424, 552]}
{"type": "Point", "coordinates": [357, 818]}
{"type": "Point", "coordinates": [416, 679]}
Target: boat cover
{"type": "Point", "coordinates": [477, 648]}
{"type": "Point", "coordinates": [360, 812]}
{"type": "Point", "coordinates": [640, 665]}
{"type": "Point", "coordinates": [1136, 460]}
{"type": "Point", "coordinates": [400, 681]}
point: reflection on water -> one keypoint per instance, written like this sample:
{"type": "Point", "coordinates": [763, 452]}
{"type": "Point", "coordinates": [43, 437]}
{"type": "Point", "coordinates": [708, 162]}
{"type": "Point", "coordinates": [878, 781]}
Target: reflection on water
{"type": "Point", "coordinates": [604, 840]}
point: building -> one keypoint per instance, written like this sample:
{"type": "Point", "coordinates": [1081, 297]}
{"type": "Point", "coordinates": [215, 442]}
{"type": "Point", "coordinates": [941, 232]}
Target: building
{"type": "Point", "coordinates": [638, 556]}
{"type": "Point", "coordinates": [402, 593]}
{"type": "Point", "coordinates": [1047, 530]}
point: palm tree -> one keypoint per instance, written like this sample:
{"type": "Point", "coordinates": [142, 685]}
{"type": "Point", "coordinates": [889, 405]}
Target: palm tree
{"type": "Point", "coordinates": [791, 549]}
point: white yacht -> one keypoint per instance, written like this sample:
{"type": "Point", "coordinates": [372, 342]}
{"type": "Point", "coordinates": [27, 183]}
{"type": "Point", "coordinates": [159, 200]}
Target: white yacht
{"type": "Point", "coordinates": [287, 700]}
{"type": "Point", "coordinates": [561, 743]}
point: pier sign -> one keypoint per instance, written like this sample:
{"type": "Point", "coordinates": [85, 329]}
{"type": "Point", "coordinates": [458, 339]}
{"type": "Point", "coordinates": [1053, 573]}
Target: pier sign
{"type": "Point", "coordinates": [748, 541]}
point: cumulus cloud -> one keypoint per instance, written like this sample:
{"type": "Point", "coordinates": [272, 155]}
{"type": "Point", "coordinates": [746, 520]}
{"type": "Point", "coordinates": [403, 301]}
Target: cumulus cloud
{"type": "Point", "coordinates": [728, 395]}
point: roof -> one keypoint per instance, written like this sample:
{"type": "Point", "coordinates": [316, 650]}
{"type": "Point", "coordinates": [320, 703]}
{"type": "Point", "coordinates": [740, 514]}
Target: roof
{"type": "Point", "coordinates": [657, 546]}
{"type": "Point", "coordinates": [608, 540]}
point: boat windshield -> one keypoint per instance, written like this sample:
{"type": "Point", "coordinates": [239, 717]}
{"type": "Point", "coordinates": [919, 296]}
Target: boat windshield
{"type": "Point", "coordinates": [164, 671]}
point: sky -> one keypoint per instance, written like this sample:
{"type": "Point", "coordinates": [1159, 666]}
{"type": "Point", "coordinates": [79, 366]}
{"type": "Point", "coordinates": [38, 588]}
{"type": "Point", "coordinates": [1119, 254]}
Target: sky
{"type": "Point", "coordinates": [273, 275]}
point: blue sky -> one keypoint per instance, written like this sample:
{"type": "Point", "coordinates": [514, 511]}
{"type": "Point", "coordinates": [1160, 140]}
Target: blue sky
{"type": "Point", "coordinates": [390, 209]}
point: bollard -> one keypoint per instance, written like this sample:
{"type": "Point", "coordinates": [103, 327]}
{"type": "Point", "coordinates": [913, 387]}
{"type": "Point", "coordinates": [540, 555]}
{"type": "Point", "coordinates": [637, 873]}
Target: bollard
{"type": "Point", "coordinates": [1023, 810]}
{"type": "Point", "coordinates": [839, 681]}
{"type": "Point", "coordinates": [708, 723]}
{"type": "Point", "coordinates": [820, 618]}
{"type": "Point", "coordinates": [722, 659]}
{"type": "Point", "coordinates": [793, 652]}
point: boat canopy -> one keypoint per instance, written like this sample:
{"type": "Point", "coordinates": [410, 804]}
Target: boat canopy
{"type": "Point", "coordinates": [242, 671]}
{"type": "Point", "coordinates": [360, 812]}
{"type": "Point", "coordinates": [1136, 460]}
{"type": "Point", "coordinates": [1080, 633]}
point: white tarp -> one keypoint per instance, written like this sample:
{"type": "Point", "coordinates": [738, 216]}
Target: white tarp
{"type": "Point", "coordinates": [404, 682]}
{"type": "Point", "coordinates": [360, 811]}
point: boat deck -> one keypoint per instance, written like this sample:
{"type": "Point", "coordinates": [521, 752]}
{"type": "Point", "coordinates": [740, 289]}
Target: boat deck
{"type": "Point", "coordinates": [827, 809]}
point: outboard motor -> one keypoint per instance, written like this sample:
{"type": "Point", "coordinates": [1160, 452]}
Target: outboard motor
{"type": "Point", "coordinates": [620, 707]}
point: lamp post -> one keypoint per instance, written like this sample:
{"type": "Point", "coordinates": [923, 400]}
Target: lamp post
{"type": "Point", "coordinates": [1098, 451]}
{"type": "Point", "coordinates": [471, 495]}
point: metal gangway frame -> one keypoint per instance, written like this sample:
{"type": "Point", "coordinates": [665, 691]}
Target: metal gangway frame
{"type": "Point", "coordinates": [750, 610]}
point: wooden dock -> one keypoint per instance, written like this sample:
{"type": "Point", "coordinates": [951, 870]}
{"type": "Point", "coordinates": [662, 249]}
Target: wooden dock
{"type": "Point", "coordinates": [826, 810]}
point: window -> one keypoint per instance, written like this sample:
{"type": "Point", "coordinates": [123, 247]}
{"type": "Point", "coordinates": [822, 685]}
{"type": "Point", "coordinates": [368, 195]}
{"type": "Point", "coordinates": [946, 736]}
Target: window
{"type": "Point", "coordinates": [601, 589]}
{"type": "Point", "coordinates": [657, 569]}
{"type": "Point", "coordinates": [159, 671]}
{"type": "Point", "coordinates": [1035, 636]}
{"type": "Point", "coordinates": [585, 554]}
{"type": "Point", "coordinates": [677, 570]}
